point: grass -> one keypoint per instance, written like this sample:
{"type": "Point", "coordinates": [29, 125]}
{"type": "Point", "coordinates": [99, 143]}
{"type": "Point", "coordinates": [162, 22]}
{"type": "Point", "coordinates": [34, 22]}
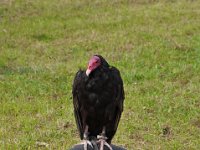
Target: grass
{"type": "Point", "coordinates": [155, 44]}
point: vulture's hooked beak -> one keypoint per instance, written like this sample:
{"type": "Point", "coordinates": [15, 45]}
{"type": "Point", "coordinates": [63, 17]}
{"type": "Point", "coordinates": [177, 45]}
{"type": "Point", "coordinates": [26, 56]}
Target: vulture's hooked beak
{"type": "Point", "coordinates": [88, 71]}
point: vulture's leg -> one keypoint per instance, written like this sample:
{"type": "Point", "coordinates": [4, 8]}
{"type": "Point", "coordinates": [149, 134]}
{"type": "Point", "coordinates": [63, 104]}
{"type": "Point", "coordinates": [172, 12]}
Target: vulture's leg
{"type": "Point", "coordinates": [86, 142]}
{"type": "Point", "coordinates": [102, 139]}
{"type": "Point", "coordinates": [85, 134]}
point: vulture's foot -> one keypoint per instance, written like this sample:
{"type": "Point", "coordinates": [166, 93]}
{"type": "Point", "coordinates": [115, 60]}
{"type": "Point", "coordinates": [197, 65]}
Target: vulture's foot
{"type": "Point", "coordinates": [86, 143]}
{"type": "Point", "coordinates": [102, 141]}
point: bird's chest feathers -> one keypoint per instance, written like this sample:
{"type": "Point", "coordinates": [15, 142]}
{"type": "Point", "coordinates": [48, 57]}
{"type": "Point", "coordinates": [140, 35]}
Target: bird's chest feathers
{"type": "Point", "coordinates": [97, 89]}
{"type": "Point", "coordinates": [97, 82]}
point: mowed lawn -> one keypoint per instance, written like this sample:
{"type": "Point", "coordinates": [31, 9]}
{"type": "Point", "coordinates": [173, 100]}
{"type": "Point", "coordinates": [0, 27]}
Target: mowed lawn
{"type": "Point", "coordinates": [155, 44]}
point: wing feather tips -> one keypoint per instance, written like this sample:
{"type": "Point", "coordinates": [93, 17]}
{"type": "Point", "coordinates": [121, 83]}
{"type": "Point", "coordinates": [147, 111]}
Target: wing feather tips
{"type": "Point", "coordinates": [76, 103]}
{"type": "Point", "coordinates": [120, 87]}
{"type": "Point", "coordinates": [118, 82]}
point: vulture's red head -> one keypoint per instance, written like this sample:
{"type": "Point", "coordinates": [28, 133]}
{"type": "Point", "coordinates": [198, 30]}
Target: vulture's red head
{"type": "Point", "coordinates": [94, 63]}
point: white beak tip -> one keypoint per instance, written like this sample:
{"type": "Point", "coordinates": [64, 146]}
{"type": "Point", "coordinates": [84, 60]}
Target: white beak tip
{"type": "Point", "coordinates": [88, 72]}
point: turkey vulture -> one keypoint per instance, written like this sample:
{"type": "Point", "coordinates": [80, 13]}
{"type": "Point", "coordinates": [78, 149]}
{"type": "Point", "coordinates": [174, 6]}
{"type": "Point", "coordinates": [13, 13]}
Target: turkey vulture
{"type": "Point", "coordinates": [98, 96]}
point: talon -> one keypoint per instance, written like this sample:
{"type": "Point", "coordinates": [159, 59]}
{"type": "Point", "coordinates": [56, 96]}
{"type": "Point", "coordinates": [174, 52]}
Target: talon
{"type": "Point", "coordinates": [108, 146]}
{"type": "Point", "coordinates": [102, 141]}
{"type": "Point", "coordinates": [89, 143]}
{"type": "Point", "coordinates": [86, 143]}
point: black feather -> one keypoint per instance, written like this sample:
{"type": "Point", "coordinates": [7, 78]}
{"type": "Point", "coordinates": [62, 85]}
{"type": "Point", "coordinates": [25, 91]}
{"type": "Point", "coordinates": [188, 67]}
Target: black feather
{"type": "Point", "coordinates": [98, 100]}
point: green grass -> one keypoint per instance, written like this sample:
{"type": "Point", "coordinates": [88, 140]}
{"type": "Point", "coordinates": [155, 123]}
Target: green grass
{"type": "Point", "coordinates": [155, 44]}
